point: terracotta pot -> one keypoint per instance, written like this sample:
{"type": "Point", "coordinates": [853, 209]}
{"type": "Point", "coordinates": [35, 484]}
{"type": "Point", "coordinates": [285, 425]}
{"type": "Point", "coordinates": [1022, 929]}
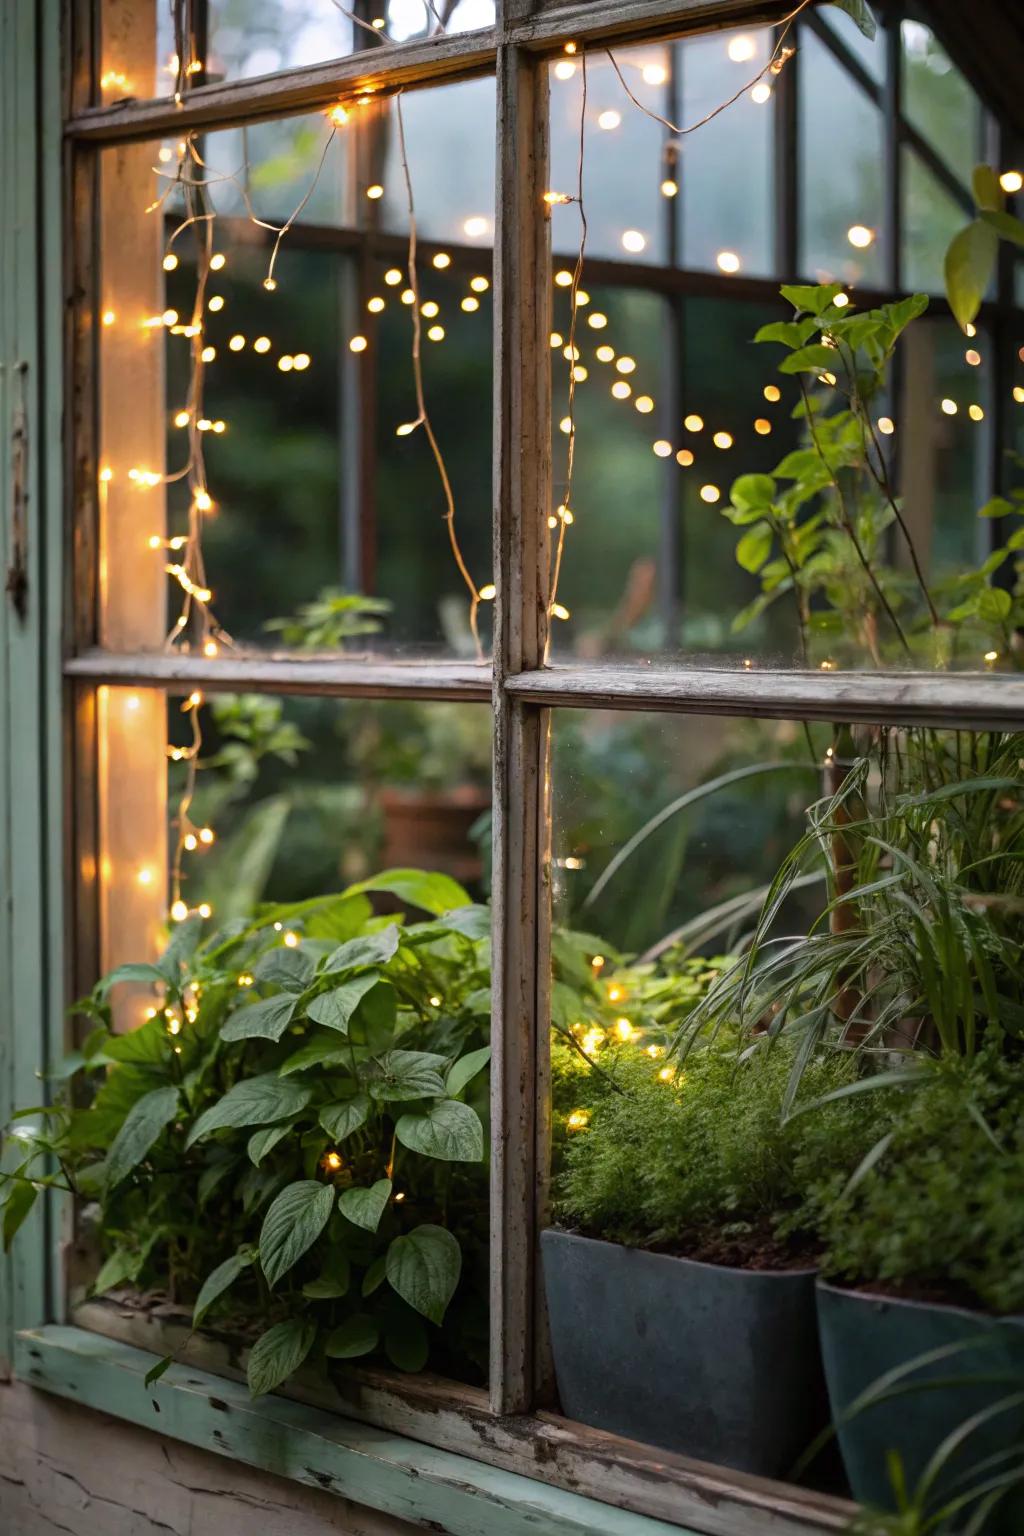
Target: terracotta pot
{"type": "Point", "coordinates": [429, 829]}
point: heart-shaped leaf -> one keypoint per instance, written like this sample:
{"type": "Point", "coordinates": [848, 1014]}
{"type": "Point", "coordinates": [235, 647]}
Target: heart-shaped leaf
{"type": "Point", "coordinates": [266, 1020]}
{"type": "Point", "coordinates": [138, 975]}
{"type": "Point", "coordinates": [448, 1130]}
{"type": "Point", "coordinates": [292, 1225]}
{"type": "Point", "coordinates": [340, 1120]}
{"type": "Point", "coordinates": [433, 892]}
{"type": "Point", "coordinates": [324, 1050]}
{"type": "Point", "coordinates": [365, 1207]}
{"type": "Point", "coordinates": [356, 1336]}
{"type": "Point", "coordinates": [970, 262]}
{"type": "Point", "coordinates": [335, 1009]}
{"type": "Point", "coordinates": [407, 1075]}
{"type": "Point", "coordinates": [289, 969]}
{"type": "Point", "coordinates": [262, 1142]}
{"type": "Point", "coordinates": [279, 1352]}
{"type": "Point", "coordinates": [139, 1130]}
{"type": "Point", "coordinates": [253, 1101]}
{"type": "Point", "coordinates": [372, 949]}
{"type": "Point", "coordinates": [424, 1268]}
{"type": "Point", "coordinates": [465, 1069]}
{"type": "Point", "coordinates": [217, 1282]}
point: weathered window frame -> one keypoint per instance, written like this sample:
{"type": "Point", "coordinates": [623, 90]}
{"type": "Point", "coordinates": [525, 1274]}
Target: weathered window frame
{"type": "Point", "coordinates": [504, 1427]}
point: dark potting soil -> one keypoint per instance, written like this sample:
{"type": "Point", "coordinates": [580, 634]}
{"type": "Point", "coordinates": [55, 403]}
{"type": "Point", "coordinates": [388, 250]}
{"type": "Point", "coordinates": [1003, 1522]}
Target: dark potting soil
{"type": "Point", "coordinates": [756, 1247]}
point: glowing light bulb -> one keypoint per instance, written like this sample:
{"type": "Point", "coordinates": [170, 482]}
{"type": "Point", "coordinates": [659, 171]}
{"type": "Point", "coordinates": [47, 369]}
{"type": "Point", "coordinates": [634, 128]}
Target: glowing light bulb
{"type": "Point", "coordinates": [218, 262]}
{"type": "Point", "coordinates": [375, 305]}
{"type": "Point", "coordinates": [571, 354]}
{"type": "Point", "coordinates": [208, 354]}
{"type": "Point", "coordinates": [972, 358]}
{"type": "Point", "coordinates": [741, 49]}
{"type": "Point", "coordinates": [374, 192]}
{"type": "Point", "coordinates": [662, 448]}
{"type": "Point", "coordinates": [1018, 394]}
{"type": "Point", "coordinates": [475, 227]}
{"type": "Point", "coordinates": [407, 296]}
{"type": "Point", "coordinates": [481, 284]}
{"type": "Point", "coordinates": [669, 188]}
{"type": "Point", "coordinates": [886, 425]}
{"type": "Point", "coordinates": [563, 278]}
{"type": "Point", "coordinates": [215, 304]}
{"type": "Point", "coordinates": [609, 120]}
{"type": "Point", "coordinates": [654, 74]}
{"type": "Point", "coordinates": [470, 304]}
{"type": "Point", "coordinates": [762, 426]}
{"type": "Point", "coordinates": [570, 48]}
{"type": "Point", "coordinates": [841, 300]}
{"type": "Point", "coordinates": [693, 422]}
{"type": "Point", "coordinates": [190, 841]}
{"type": "Point", "coordinates": [581, 297]}
{"type": "Point", "coordinates": [709, 493]}
{"type": "Point", "coordinates": [144, 875]}
{"type": "Point", "coordinates": [772, 392]}
{"type": "Point", "coordinates": [621, 390]}
{"type": "Point", "coordinates": [442, 260]}
{"type": "Point", "coordinates": [565, 425]}
{"type": "Point", "coordinates": [261, 344]}
{"type": "Point", "coordinates": [170, 261]}
{"type": "Point", "coordinates": [333, 1161]}
{"type": "Point", "coordinates": [181, 418]}
{"type": "Point", "coordinates": [860, 236]}
{"type": "Point", "coordinates": [435, 333]}
{"type": "Point", "coordinates": [300, 362]}
{"type": "Point", "coordinates": [625, 364]}
{"type": "Point", "coordinates": [179, 911]}
{"type": "Point", "coordinates": [1011, 181]}
{"type": "Point", "coordinates": [976, 413]}
{"type": "Point", "coordinates": [204, 909]}
{"type": "Point", "coordinates": [291, 939]}
{"type": "Point", "coordinates": [236, 343]}
{"type": "Point", "coordinates": [578, 1120]}
{"type": "Point", "coordinates": [633, 240]}
{"type": "Point", "coordinates": [948, 407]}
{"type": "Point", "coordinates": [109, 316]}
{"type": "Point", "coordinates": [722, 439]}
{"type": "Point", "coordinates": [270, 283]}
{"type": "Point", "coordinates": [727, 261]}
{"type": "Point", "coordinates": [564, 70]}
{"type": "Point", "coordinates": [429, 309]}
{"type": "Point", "coordinates": [487, 592]}
{"type": "Point", "coordinates": [580, 374]}
{"type": "Point", "coordinates": [644, 404]}
{"type": "Point", "coordinates": [206, 835]}
{"type": "Point", "coordinates": [559, 611]}
{"type": "Point", "coordinates": [338, 116]}
{"type": "Point", "coordinates": [605, 354]}
{"type": "Point", "coordinates": [761, 92]}
{"type": "Point", "coordinates": [392, 277]}
{"type": "Point", "coordinates": [556, 199]}
{"type": "Point", "coordinates": [684, 457]}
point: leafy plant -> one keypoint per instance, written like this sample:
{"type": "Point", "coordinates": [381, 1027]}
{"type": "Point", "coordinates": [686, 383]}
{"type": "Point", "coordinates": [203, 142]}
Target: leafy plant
{"type": "Point", "coordinates": [294, 1133]}
{"type": "Point", "coordinates": [330, 619]}
{"type": "Point", "coordinates": [971, 256]}
{"type": "Point", "coordinates": [818, 527]}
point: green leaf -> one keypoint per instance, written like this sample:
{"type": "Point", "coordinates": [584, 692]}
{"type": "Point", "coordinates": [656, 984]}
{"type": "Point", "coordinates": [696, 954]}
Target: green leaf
{"type": "Point", "coordinates": [465, 1069]}
{"type": "Point", "coordinates": [16, 1207]}
{"type": "Point", "coordinates": [325, 1050]}
{"type": "Point", "coordinates": [434, 892]}
{"type": "Point", "coordinates": [408, 1075]}
{"type": "Point", "coordinates": [119, 1267]}
{"type": "Point", "coordinates": [448, 1130]}
{"type": "Point", "coordinates": [357, 1335]}
{"type": "Point", "coordinates": [266, 1020]}
{"type": "Point", "coordinates": [754, 548]}
{"type": "Point", "coordinates": [373, 949]}
{"type": "Point", "coordinates": [998, 506]}
{"type": "Point", "coordinates": [341, 1119]}
{"type": "Point", "coordinates": [994, 604]}
{"type": "Point", "coordinates": [142, 975]}
{"type": "Point", "coordinates": [289, 969]}
{"type": "Point", "coordinates": [753, 491]}
{"type": "Point", "coordinates": [365, 1207]}
{"type": "Point", "coordinates": [791, 333]}
{"type": "Point", "coordinates": [334, 1009]}
{"type": "Point", "coordinates": [253, 1101]}
{"type": "Point", "coordinates": [218, 1281]}
{"type": "Point", "coordinates": [149, 1045]}
{"type": "Point", "coordinates": [156, 1371]}
{"type": "Point", "coordinates": [262, 1142]}
{"type": "Point", "coordinates": [333, 1282]}
{"type": "Point", "coordinates": [814, 359]}
{"type": "Point", "coordinates": [406, 1343]}
{"type": "Point", "coordinates": [988, 194]}
{"type": "Point", "coordinates": [140, 1129]}
{"type": "Point", "coordinates": [292, 1225]}
{"type": "Point", "coordinates": [970, 261]}
{"type": "Point", "coordinates": [1005, 225]}
{"type": "Point", "coordinates": [423, 1267]}
{"type": "Point", "coordinates": [375, 1275]}
{"type": "Point", "coordinates": [860, 13]}
{"type": "Point", "coordinates": [278, 1353]}
{"type": "Point", "coordinates": [816, 298]}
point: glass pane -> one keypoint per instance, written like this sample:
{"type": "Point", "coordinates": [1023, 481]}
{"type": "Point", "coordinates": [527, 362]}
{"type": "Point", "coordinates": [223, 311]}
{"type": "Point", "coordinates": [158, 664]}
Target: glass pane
{"type": "Point", "coordinates": [262, 439]}
{"type": "Point", "coordinates": [147, 51]}
{"type": "Point", "coordinates": [869, 52]}
{"type": "Point", "coordinates": [931, 217]}
{"type": "Point", "coordinates": [762, 1071]}
{"type": "Point", "coordinates": [840, 172]}
{"type": "Point", "coordinates": [313, 875]}
{"type": "Point", "coordinates": [939, 102]}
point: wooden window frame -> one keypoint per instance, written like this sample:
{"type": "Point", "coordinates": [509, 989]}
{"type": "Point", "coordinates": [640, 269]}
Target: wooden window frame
{"type": "Point", "coordinates": [503, 1427]}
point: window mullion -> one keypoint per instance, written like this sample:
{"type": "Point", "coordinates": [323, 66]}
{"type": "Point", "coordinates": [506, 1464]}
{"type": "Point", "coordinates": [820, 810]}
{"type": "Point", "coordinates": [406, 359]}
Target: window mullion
{"type": "Point", "coordinates": [522, 497]}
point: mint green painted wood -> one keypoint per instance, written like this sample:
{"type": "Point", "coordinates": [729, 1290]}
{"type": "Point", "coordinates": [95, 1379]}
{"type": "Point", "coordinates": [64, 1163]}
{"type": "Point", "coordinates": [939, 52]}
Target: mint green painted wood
{"type": "Point", "coordinates": [372, 1467]}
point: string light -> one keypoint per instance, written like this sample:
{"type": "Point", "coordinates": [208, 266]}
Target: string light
{"type": "Point", "coordinates": [761, 92]}
{"type": "Point", "coordinates": [662, 448]}
{"type": "Point", "coordinates": [684, 458]}
{"type": "Point", "coordinates": [392, 277]}
{"type": "Point", "coordinates": [475, 227]}
{"type": "Point", "coordinates": [181, 418]}
{"type": "Point", "coordinates": [621, 390]}
{"type": "Point", "coordinates": [633, 241]}
{"type": "Point", "coordinates": [435, 333]}
{"type": "Point", "coordinates": [1011, 181]}
{"type": "Point", "coordinates": [772, 393]}
{"type": "Point", "coordinates": [597, 321]}
{"type": "Point", "coordinates": [948, 407]}
{"type": "Point", "coordinates": [215, 305]}
{"type": "Point", "coordinates": [555, 338]}
{"type": "Point", "coordinates": [429, 309]}
{"type": "Point", "coordinates": [609, 120]}
{"type": "Point", "coordinates": [488, 592]}
{"type": "Point", "coordinates": [625, 364]}
{"type": "Point", "coordinates": [479, 284]}
{"type": "Point", "coordinates": [564, 70]}
{"type": "Point", "coordinates": [741, 49]}
{"type": "Point", "coordinates": [218, 261]}
{"type": "Point", "coordinates": [710, 493]}
{"type": "Point", "coordinates": [236, 343]}
{"type": "Point", "coordinates": [470, 304]}
{"type": "Point", "coordinates": [375, 305]}
{"type": "Point", "coordinates": [170, 262]}
{"type": "Point", "coordinates": [976, 413]}
{"type": "Point", "coordinates": [556, 199]}
{"type": "Point", "coordinates": [581, 297]}
{"type": "Point", "coordinates": [375, 192]}
{"type": "Point", "coordinates": [654, 74]}
{"type": "Point", "coordinates": [886, 425]}
{"type": "Point", "coordinates": [291, 939]}
{"type": "Point", "coordinates": [407, 296]}
{"type": "Point", "coordinates": [108, 317]}
{"type": "Point", "coordinates": [727, 261]}
{"type": "Point", "coordinates": [972, 358]}
{"type": "Point", "coordinates": [841, 300]}
{"type": "Point", "coordinates": [563, 278]}
{"type": "Point", "coordinates": [669, 188]}
{"type": "Point", "coordinates": [605, 354]}
{"type": "Point", "coordinates": [722, 439]}
{"type": "Point", "coordinates": [644, 404]}
{"type": "Point", "coordinates": [860, 236]}
{"type": "Point", "coordinates": [762, 426]}
{"type": "Point", "coordinates": [261, 344]}
{"type": "Point", "coordinates": [208, 354]}
{"type": "Point", "coordinates": [442, 260]}
{"type": "Point", "coordinates": [179, 911]}
{"type": "Point", "coordinates": [1018, 394]}
{"type": "Point", "coordinates": [693, 422]}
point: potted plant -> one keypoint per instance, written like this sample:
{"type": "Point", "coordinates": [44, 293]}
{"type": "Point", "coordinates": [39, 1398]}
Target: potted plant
{"type": "Point", "coordinates": [292, 1140]}
{"type": "Point", "coordinates": [674, 1273]}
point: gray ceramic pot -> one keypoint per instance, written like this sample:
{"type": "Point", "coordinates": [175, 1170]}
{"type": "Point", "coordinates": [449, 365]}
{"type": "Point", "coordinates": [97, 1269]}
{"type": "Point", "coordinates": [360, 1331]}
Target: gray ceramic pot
{"type": "Point", "coordinates": [717, 1363]}
{"type": "Point", "coordinates": [864, 1337]}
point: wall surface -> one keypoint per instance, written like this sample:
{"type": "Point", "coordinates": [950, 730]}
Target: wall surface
{"type": "Point", "coordinates": [68, 1469]}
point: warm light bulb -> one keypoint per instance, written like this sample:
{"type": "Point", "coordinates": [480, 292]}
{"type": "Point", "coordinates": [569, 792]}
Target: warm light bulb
{"type": "Point", "coordinates": [375, 305]}
{"type": "Point", "coordinates": [208, 354]}
{"type": "Point", "coordinates": [470, 304]}
{"type": "Point", "coordinates": [179, 911]}
{"type": "Point", "coordinates": [1018, 394]}
{"type": "Point", "coordinates": [218, 261]}
{"type": "Point", "coordinates": [762, 426]}
{"type": "Point", "coordinates": [215, 304]}
{"type": "Point", "coordinates": [709, 493]}
{"type": "Point", "coordinates": [374, 192]}
{"type": "Point", "coordinates": [972, 358]}
{"type": "Point", "coordinates": [475, 227]}
{"type": "Point", "coordinates": [144, 875]}
{"type": "Point", "coordinates": [190, 841]}
{"type": "Point", "coordinates": [555, 338]}
{"type": "Point", "coordinates": [722, 439]}
{"type": "Point", "coordinates": [578, 1120]}
{"type": "Point", "coordinates": [597, 321]}
{"type": "Point", "coordinates": [392, 277]}
{"type": "Point", "coordinates": [772, 392]}
{"type": "Point", "coordinates": [693, 423]}
{"type": "Point", "coordinates": [684, 457]}
{"type": "Point", "coordinates": [976, 413]}
{"type": "Point", "coordinates": [579, 373]}
{"type": "Point", "coordinates": [442, 260]}
{"type": "Point", "coordinates": [338, 116]}
{"type": "Point", "coordinates": [300, 362]}
{"type": "Point", "coordinates": [841, 300]}
{"type": "Point", "coordinates": [609, 120]}
{"type": "Point", "coordinates": [644, 404]}
{"type": "Point", "coordinates": [435, 333]}
{"type": "Point", "coordinates": [563, 278]}
{"type": "Point", "coordinates": [429, 309]}
{"type": "Point", "coordinates": [669, 188]}
{"type": "Point", "coordinates": [481, 284]}
{"type": "Point", "coordinates": [1011, 181]}
{"type": "Point", "coordinates": [949, 407]}
{"type": "Point", "coordinates": [407, 296]}
{"type": "Point", "coordinates": [204, 909]}
{"type": "Point", "coordinates": [564, 70]}
{"type": "Point", "coordinates": [727, 261]}
{"type": "Point", "coordinates": [236, 343]}
{"type": "Point", "coordinates": [654, 74]}
{"type": "Point", "coordinates": [886, 425]}
{"type": "Point", "coordinates": [109, 316]}
{"type": "Point", "coordinates": [633, 240]}
{"type": "Point", "coordinates": [741, 49]}
{"type": "Point", "coordinates": [761, 92]}
{"type": "Point", "coordinates": [860, 236]}
{"type": "Point", "coordinates": [170, 261]}
{"type": "Point", "coordinates": [605, 354]}
{"type": "Point", "coordinates": [181, 418]}
{"type": "Point", "coordinates": [261, 344]}
{"type": "Point", "coordinates": [358, 344]}
{"type": "Point", "coordinates": [487, 592]}
{"type": "Point", "coordinates": [291, 939]}
{"type": "Point", "coordinates": [270, 283]}
{"type": "Point", "coordinates": [565, 425]}
{"type": "Point", "coordinates": [581, 297]}
{"type": "Point", "coordinates": [621, 390]}
{"type": "Point", "coordinates": [625, 364]}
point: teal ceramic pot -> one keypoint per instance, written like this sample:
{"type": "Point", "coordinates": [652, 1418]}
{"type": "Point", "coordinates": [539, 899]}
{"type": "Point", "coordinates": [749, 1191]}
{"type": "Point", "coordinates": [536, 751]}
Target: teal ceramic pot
{"type": "Point", "coordinates": [864, 1337]}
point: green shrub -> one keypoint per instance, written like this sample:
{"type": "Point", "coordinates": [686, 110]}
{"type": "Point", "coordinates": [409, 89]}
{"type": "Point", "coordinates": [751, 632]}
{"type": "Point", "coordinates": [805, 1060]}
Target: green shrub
{"type": "Point", "coordinates": [939, 1214]}
{"type": "Point", "coordinates": [699, 1157]}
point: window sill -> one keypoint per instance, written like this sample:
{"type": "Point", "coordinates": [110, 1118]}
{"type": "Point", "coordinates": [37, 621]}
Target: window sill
{"type": "Point", "coordinates": [509, 1477]}
{"type": "Point", "coordinates": [371, 1467]}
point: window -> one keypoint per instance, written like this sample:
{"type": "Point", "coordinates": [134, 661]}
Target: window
{"type": "Point", "coordinates": [311, 639]}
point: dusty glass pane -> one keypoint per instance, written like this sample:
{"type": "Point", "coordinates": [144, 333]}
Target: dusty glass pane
{"type": "Point", "coordinates": [256, 311]}
{"type": "Point", "coordinates": [931, 217]}
{"type": "Point", "coordinates": [939, 102]}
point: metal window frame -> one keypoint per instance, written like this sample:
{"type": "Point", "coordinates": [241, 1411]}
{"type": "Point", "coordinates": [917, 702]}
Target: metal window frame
{"type": "Point", "coordinates": [505, 1427]}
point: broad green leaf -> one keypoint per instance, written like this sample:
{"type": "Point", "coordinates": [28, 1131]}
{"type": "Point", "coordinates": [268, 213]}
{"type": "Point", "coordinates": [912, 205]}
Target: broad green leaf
{"type": "Point", "coordinates": [365, 1207]}
{"type": "Point", "coordinates": [860, 13]}
{"type": "Point", "coordinates": [998, 506]}
{"type": "Point", "coordinates": [149, 1045]}
{"type": "Point", "coordinates": [262, 1142]}
{"type": "Point", "coordinates": [266, 1020]}
{"type": "Point", "coordinates": [813, 359]}
{"type": "Point", "coordinates": [465, 1069]}
{"type": "Point", "coordinates": [432, 892]}
{"type": "Point", "coordinates": [278, 1353]}
{"type": "Point", "coordinates": [994, 604]}
{"type": "Point", "coordinates": [1006, 225]}
{"type": "Point", "coordinates": [754, 548]}
{"type": "Point", "coordinates": [142, 1125]}
{"type": "Point", "coordinates": [253, 1101]}
{"type": "Point", "coordinates": [373, 949]}
{"type": "Point", "coordinates": [156, 1371]}
{"type": "Point", "coordinates": [899, 315]}
{"type": "Point", "coordinates": [142, 975]}
{"type": "Point", "coordinates": [406, 1342]}
{"type": "Point", "coordinates": [325, 1050]}
{"type": "Point", "coordinates": [407, 1075]}
{"type": "Point", "coordinates": [790, 333]}
{"type": "Point", "coordinates": [119, 1267]}
{"type": "Point", "coordinates": [988, 194]}
{"type": "Point", "coordinates": [357, 1335]}
{"type": "Point", "coordinates": [423, 1267]}
{"type": "Point", "coordinates": [218, 1281]}
{"type": "Point", "coordinates": [374, 1021]}
{"type": "Point", "coordinates": [970, 261]}
{"type": "Point", "coordinates": [753, 491]}
{"type": "Point", "coordinates": [292, 1225]}
{"type": "Point", "coordinates": [16, 1207]}
{"type": "Point", "coordinates": [341, 1119]}
{"type": "Point", "coordinates": [375, 1275]}
{"type": "Point", "coordinates": [816, 299]}
{"type": "Point", "coordinates": [213, 1176]}
{"type": "Point", "coordinates": [448, 1130]}
{"type": "Point", "coordinates": [289, 969]}
{"type": "Point", "coordinates": [334, 1009]}
{"type": "Point", "coordinates": [334, 1280]}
